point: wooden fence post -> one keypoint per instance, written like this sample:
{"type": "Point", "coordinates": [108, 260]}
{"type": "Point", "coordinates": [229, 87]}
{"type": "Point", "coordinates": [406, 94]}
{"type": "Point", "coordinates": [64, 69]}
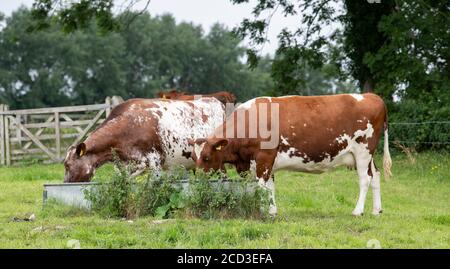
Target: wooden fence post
{"type": "Point", "coordinates": [115, 100]}
{"type": "Point", "coordinates": [58, 136]}
{"type": "Point", "coordinates": [18, 131]}
{"type": "Point", "coordinates": [7, 143]}
{"type": "Point", "coordinates": [108, 103]}
{"type": "Point", "coordinates": [2, 136]}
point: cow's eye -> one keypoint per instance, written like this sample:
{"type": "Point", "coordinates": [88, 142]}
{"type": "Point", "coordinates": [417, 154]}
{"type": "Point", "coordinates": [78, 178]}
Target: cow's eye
{"type": "Point", "coordinates": [206, 158]}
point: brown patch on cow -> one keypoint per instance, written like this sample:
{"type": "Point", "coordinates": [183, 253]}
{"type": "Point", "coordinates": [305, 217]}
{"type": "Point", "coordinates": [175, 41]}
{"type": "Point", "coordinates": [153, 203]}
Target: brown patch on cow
{"type": "Point", "coordinates": [369, 170]}
{"type": "Point", "coordinates": [204, 117]}
{"type": "Point", "coordinates": [190, 104]}
{"type": "Point", "coordinates": [360, 140]}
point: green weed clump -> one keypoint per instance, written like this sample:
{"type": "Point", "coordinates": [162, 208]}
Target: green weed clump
{"type": "Point", "coordinates": [164, 194]}
{"type": "Point", "coordinates": [210, 197]}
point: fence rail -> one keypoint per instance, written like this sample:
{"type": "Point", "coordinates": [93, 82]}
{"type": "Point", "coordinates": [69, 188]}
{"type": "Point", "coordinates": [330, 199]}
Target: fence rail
{"type": "Point", "coordinates": [46, 133]}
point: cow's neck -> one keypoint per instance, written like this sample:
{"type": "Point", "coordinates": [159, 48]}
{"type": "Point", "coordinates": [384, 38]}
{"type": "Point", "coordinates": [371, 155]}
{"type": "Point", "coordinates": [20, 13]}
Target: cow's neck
{"type": "Point", "coordinates": [98, 155]}
{"type": "Point", "coordinates": [231, 154]}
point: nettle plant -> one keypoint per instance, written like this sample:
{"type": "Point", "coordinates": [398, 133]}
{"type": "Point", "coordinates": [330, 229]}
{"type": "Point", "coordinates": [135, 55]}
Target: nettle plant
{"type": "Point", "coordinates": [177, 192]}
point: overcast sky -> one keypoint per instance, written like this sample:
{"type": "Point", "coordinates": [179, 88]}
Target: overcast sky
{"type": "Point", "coordinates": [204, 12]}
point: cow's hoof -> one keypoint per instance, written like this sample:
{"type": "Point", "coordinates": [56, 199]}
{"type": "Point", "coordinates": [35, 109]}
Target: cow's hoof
{"type": "Point", "coordinates": [357, 213]}
{"type": "Point", "coordinates": [266, 212]}
{"type": "Point", "coordinates": [273, 211]}
{"type": "Point", "coordinates": [377, 212]}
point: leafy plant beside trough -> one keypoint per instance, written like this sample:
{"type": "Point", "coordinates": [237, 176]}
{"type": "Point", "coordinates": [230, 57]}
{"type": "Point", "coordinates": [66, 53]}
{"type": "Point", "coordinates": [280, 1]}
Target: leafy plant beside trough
{"type": "Point", "coordinates": [177, 192]}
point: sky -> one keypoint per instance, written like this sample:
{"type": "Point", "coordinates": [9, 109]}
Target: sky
{"type": "Point", "coordinates": [203, 12]}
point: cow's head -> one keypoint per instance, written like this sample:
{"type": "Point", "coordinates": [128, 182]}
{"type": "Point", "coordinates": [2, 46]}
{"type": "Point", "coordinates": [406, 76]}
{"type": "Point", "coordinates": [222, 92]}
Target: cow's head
{"type": "Point", "coordinates": [78, 165]}
{"type": "Point", "coordinates": [209, 153]}
{"type": "Point", "coordinates": [173, 94]}
{"type": "Point", "coordinates": [225, 97]}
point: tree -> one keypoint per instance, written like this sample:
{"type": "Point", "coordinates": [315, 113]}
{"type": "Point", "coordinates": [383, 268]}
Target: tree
{"type": "Point", "coordinates": [72, 16]}
{"type": "Point", "coordinates": [362, 36]}
{"type": "Point", "coordinates": [50, 68]}
{"type": "Point", "coordinates": [308, 47]}
{"type": "Point", "coordinates": [165, 55]}
{"type": "Point", "coordinates": [53, 68]}
{"type": "Point", "coordinates": [415, 62]}
{"type": "Point", "coordinates": [76, 15]}
{"type": "Point", "coordinates": [398, 49]}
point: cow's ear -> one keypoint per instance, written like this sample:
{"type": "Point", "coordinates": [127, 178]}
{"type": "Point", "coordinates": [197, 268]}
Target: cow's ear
{"type": "Point", "coordinates": [219, 145]}
{"type": "Point", "coordinates": [81, 149]}
{"type": "Point", "coordinates": [190, 142]}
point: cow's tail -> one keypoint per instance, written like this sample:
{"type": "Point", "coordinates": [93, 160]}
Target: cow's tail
{"type": "Point", "coordinates": [387, 162]}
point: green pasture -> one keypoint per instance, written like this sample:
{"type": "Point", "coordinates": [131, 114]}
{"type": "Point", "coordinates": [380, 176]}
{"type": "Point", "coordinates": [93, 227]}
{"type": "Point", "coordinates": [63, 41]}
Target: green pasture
{"type": "Point", "coordinates": [314, 212]}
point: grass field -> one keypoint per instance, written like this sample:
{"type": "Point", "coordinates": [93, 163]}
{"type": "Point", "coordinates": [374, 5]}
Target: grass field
{"type": "Point", "coordinates": [314, 212]}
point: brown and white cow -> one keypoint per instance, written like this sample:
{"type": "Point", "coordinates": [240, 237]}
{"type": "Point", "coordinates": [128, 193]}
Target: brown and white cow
{"type": "Point", "coordinates": [152, 132]}
{"type": "Point", "coordinates": [223, 96]}
{"type": "Point", "coordinates": [309, 133]}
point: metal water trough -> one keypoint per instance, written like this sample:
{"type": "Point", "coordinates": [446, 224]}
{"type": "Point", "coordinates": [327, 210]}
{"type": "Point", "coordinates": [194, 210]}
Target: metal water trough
{"type": "Point", "coordinates": [73, 193]}
{"type": "Point", "coordinates": [68, 193]}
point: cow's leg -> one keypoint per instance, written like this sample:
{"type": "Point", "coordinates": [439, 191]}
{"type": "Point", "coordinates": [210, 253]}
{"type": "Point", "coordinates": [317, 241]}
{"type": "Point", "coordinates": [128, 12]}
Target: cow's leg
{"type": "Point", "coordinates": [375, 184]}
{"type": "Point", "coordinates": [269, 185]}
{"type": "Point", "coordinates": [243, 169]}
{"type": "Point", "coordinates": [152, 161]}
{"type": "Point", "coordinates": [138, 172]}
{"type": "Point", "coordinates": [266, 181]}
{"type": "Point", "coordinates": [363, 168]}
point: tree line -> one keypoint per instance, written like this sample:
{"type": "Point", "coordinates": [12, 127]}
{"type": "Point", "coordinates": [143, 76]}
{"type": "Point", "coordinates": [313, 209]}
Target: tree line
{"type": "Point", "coordinates": [54, 68]}
{"type": "Point", "coordinates": [77, 54]}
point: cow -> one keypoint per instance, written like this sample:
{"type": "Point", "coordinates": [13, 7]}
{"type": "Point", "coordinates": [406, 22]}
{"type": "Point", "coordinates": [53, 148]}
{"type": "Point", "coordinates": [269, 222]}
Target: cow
{"type": "Point", "coordinates": [314, 134]}
{"type": "Point", "coordinates": [153, 133]}
{"type": "Point", "coordinates": [223, 96]}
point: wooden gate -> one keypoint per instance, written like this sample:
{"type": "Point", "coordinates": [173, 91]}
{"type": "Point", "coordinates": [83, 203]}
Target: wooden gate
{"type": "Point", "coordinates": [44, 134]}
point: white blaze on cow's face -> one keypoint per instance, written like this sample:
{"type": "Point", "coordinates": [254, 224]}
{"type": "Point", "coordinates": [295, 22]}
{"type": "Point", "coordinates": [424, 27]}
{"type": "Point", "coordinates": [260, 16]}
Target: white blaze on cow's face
{"type": "Point", "coordinates": [198, 148]}
{"type": "Point", "coordinates": [78, 165]}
